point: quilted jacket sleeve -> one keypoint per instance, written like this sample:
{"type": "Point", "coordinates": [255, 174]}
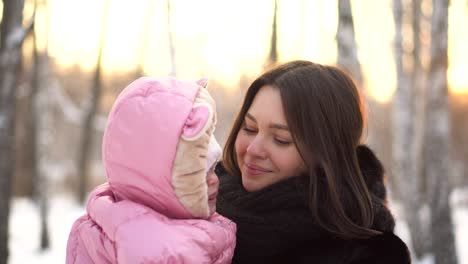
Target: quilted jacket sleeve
{"type": "Point", "coordinates": [87, 244]}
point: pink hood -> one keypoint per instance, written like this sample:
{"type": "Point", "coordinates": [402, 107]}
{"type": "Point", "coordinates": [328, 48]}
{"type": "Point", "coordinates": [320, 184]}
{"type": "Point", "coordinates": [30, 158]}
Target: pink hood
{"type": "Point", "coordinates": [139, 148]}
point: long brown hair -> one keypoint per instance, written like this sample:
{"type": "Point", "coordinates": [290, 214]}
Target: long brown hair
{"type": "Point", "coordinates": [324, 112]}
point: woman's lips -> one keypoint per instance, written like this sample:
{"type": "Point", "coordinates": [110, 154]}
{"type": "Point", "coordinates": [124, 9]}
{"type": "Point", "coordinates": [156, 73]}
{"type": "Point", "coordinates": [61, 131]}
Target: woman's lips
{"type": "Point", "coordinates": [255, 170]}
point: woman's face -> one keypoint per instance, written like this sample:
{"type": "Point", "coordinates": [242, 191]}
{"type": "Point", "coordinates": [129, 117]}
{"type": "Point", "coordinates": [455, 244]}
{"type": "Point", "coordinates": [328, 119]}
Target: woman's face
{"type": "Point", "coordinates": [265, 151]}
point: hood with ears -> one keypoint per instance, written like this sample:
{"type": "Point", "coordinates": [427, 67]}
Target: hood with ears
{"type": "Point", "coordinates": [155, 145]}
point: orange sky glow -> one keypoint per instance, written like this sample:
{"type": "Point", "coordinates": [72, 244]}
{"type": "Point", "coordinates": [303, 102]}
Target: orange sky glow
{"type": "Point", "coordinates": [227, 39]}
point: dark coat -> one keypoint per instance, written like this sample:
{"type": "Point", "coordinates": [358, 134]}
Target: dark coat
{"type": "Point", "coordinates": [274, 225]}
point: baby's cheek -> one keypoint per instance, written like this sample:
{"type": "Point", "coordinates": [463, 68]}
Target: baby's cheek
{"type": "Point", "coordinates": [211, 178]}
{"type": "Point", "coordinates": [215, 187]}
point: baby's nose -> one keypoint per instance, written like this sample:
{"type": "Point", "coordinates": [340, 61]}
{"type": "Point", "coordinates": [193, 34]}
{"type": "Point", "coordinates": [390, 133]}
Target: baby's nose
{"type": "Point", "coordinates": [212, 178]}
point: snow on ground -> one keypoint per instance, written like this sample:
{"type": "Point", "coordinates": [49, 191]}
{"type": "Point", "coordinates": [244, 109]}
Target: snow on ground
{"type": "Point", "coordinates": [460, 219]}
{"type": "Point", "coordinates": [24, 229]}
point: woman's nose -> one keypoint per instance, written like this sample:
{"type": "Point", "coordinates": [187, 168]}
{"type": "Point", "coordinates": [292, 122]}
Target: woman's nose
{"type": "Point", "coordinates": [256, 148]}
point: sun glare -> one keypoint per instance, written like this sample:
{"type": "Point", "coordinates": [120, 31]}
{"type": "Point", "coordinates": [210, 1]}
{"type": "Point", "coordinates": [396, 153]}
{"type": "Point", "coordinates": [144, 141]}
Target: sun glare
{"type": "Point", "coordinates": [376, 49]}
{"type": "Point", "coordinates": [458, 43]}
{"type": "Point", "coordinates": [225, 40]}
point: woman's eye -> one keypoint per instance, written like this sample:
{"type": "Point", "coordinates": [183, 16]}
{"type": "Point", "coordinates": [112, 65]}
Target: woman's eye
{"type": "Point", "coordinates": [249, 130]}
{"type": "Point", "coordinates": [282, 142]}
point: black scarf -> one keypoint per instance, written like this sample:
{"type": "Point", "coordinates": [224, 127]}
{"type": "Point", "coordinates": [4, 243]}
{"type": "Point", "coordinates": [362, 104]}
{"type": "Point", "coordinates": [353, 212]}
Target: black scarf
{"type": "Point", "coordinates": [274, 221]}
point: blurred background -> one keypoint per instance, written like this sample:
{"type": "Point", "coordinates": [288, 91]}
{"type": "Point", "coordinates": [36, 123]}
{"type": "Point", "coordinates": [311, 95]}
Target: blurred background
{"type": "Point", "coordinates": [63, 62]}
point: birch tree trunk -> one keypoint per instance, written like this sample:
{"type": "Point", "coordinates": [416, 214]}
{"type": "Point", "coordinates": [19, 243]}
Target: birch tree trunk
{"type": "Point", "coordinates": [91, 107]}
{"type": "Point", "coordinates": [419, 84]}
{"type": "Point", "coordinates": [39, 183]}
{"type": "Point", "coordinates": [39, 126]}
{"type": "Point", "coordinates": [346, 41]}
{"type": "Point", "coordinates": [44, 107]}
{"type": "Point", "coordinates": [438, 139]}
{"type": "Point", "coordinates": [419, 224]}
{"type": "Point", "coordinates": [42, 115]}
{"type": "Point", "coordinates": [408, 130]}
{"type": "Point", "coordinates": [12, 35]}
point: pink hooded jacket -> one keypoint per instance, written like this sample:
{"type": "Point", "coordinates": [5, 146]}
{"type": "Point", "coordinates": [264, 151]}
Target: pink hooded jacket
{"type": "Point", "coordinates": [154, 207]}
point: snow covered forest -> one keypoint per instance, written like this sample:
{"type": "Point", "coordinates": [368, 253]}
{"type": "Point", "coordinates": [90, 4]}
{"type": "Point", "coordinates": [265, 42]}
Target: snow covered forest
{"type": "Point", "coordinates": [63, 62]}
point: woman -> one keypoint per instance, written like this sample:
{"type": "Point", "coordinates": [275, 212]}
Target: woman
{"type": "Point", "coordinates": [295, 179]}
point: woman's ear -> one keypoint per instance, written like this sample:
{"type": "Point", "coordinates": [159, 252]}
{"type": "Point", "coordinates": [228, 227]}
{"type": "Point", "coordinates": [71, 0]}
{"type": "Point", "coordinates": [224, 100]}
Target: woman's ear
{"type": "Point", "coordinates": [198, 122]}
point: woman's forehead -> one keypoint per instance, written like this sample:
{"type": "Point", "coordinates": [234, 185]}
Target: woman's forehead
{"type": "Point", "coordinates": [267, 108]}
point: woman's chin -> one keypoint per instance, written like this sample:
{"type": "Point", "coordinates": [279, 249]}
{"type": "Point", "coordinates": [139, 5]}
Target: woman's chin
{"type": "Point", "coordinates": [249, 185]}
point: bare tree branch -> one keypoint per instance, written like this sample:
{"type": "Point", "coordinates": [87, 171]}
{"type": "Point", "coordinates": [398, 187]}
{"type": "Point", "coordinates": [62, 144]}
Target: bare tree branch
{"type": "Point", "coordinates": [19, 34]}
{"type": "Point", "coordinates": [273, 56]}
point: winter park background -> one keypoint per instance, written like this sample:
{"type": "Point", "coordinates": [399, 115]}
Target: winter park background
{"type": "Point", "coordinates": [63, 63]}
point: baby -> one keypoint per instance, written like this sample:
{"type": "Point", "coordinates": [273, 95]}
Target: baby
{"type": "Point", "coordinates": [158, 204]}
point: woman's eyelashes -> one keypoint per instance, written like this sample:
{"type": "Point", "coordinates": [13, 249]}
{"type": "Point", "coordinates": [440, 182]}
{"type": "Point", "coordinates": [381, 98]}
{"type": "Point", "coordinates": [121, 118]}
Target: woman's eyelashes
{"type": "Point", "coordinates": [282, 142]}
{"type": "Point", "coordinates": [250, 131]}
{"type": "Point", "coordinates": [278, 141]}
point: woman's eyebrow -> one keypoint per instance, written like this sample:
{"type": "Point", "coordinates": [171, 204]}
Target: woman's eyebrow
{"type": "Point", "coordinates": [274, 125]}
{"type": "Point", "coordinates": [249, 116]}
{"type": "Point", "coordinates": [279, 126]}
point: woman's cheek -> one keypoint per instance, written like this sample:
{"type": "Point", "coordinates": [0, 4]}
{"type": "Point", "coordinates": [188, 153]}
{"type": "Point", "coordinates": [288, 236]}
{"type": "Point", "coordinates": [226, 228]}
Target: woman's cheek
{"type": "Point", "coordinates": [240, 145]}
